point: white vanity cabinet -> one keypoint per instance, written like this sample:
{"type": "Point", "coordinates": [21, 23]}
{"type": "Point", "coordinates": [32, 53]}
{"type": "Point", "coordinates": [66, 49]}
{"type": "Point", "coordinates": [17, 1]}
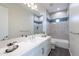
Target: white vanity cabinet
{"type": "Point", "coordinates": [46, 48]}
{"type": "Point", "coordinates": [41, 50]}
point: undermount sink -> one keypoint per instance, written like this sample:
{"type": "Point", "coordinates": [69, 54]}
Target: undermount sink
{"type": "Point", "coordinates": [11, 48]}
{"type": "Point", "coordinates": [6, 50]}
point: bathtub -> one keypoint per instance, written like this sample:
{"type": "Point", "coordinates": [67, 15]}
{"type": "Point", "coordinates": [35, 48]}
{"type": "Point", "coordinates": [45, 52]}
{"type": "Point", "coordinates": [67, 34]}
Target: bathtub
{"type": "Point", "coordinates": [60, 43]}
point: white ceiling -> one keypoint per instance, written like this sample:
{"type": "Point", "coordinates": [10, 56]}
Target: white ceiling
{"type": "Point", "coordinates": [52, 7]}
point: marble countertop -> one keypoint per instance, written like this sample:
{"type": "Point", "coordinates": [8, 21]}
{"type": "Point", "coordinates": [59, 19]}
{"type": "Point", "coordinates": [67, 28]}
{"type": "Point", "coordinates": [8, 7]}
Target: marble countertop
{"type": "Point", "coordinates": [25, 45]}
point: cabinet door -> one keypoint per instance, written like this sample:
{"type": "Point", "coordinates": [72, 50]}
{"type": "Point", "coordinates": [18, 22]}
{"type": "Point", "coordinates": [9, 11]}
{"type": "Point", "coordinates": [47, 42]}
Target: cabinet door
{"type": "Point", "coordinates": [47, 48]}
{"type": "Point", "coordinates": [34, 52]}
{"type": "Point", "coordinates": [38, 52]}
{"type": "Point", "coordinates": [43, 49]}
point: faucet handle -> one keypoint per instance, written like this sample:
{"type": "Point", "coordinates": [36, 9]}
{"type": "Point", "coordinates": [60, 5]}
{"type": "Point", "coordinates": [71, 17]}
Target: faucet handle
{"type": "Point", "coordinates": [22, 35]}
{"type": "Point", "coordinates": [10, 44]}
{"type": "Point", "coordinates": [6, 36]}
{"type": "Point", "coordinates": [25, 35]}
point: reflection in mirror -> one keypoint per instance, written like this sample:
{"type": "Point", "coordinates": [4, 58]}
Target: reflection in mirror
{"type": "Point", "coordinates": [3, 23]}
{"type": "Point", "coordinates": [38, 26]}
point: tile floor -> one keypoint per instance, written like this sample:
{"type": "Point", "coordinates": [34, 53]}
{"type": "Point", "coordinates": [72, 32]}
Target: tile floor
{"type": "Point", "coordinates": [59, 52]}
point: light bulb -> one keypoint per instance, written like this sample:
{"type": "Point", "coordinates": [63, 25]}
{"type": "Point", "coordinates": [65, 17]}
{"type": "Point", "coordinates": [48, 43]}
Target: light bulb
{"type": "Point", "coordinates": [35, 6]}
{"type": "Point", "coordinates": [57, 20]}
{"type": "Point", "coordinates": [28, 5]}
{"type": "Point", "coordinates": [32, 7]}
{"type": "Point", "coordinates": [32, 4]}
{"type": "Point", "coordinates": [25, 3]}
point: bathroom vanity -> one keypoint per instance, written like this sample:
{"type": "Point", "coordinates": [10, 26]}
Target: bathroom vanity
{"type": "Point", "coordinates": [34, 45]}
{"type": "Point", "coordinates": [42, 49]}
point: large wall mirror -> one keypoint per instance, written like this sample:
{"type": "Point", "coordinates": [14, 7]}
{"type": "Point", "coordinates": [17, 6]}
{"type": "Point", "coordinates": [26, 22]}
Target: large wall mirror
{"type": "Point", "coordinates": [3, 22]}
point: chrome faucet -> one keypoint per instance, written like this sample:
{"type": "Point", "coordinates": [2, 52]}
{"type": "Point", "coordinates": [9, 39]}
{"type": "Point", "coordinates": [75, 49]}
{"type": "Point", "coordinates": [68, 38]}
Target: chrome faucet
{"type": "Point", "coordinates": [25, 33]}
{"type": "Point", "coordinates": [5, 38]}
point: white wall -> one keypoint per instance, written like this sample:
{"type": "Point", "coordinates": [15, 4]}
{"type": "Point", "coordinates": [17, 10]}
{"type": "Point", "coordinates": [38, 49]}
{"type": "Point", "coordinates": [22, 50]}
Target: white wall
{"type": "Point", "coordinates": [19, 20]}
{"type": "Point", "coordinates": [74, 27]}
{"type": "Point", "coordinates": [3, 22]}
{"type": "Point", "coordinates": [59, 14]}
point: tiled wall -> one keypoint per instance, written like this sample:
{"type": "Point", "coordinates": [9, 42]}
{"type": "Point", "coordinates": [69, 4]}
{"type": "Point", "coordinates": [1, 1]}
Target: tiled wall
{"type": "Point", "coordinates": [58, 30]}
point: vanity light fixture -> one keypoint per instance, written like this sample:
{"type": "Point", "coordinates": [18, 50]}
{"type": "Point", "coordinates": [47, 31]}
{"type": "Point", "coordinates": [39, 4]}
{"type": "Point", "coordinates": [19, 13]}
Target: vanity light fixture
{"type": "Point", "coordinates": [31, 5]}
{"type": "Point", "coordinates": [34, 7]}
{"type": "Point", "coordinates": [28, 4]}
